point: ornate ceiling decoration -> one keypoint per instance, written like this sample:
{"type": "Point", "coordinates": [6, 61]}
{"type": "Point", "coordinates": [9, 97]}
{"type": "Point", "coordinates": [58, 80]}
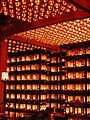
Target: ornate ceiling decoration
{"type": "Point", "coordinates": [34, 10]}
{"type": "Point", "coordinates": [53, 22]}
{"type": "Point", "coordinates": [61, 33]}
{"type": "Point", "coordinates": [15, 46]}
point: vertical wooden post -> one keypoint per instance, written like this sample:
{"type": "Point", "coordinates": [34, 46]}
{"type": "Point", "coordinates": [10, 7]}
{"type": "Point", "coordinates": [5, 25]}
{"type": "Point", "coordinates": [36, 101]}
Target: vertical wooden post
{"type": "Point", "coordinates": [3, 66]}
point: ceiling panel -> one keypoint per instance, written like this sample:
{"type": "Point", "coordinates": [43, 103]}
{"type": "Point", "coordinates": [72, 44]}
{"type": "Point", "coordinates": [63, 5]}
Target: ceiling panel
{"type": "Point", "coordinates": [50, 22]}
{"type": "Point", "coordinates": [60, 33]}
{"type": "Point", "coordinates": [33, 10]}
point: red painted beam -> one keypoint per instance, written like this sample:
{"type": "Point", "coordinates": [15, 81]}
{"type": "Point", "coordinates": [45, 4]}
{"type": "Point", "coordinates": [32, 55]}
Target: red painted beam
{"type": "Point", "coordinates": [83, 4]}
{"type": "Point", "coordinates": [3, 66]}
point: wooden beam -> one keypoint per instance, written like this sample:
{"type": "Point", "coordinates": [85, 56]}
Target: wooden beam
{"type": "Point", "coordinates": [82, 4]}
{"type": "Point", "coordinates": [3, 66]}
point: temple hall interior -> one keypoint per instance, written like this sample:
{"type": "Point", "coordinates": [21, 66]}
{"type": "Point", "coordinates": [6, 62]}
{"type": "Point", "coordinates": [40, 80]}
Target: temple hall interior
{"type": "Point", "coordinates": [44, 59]}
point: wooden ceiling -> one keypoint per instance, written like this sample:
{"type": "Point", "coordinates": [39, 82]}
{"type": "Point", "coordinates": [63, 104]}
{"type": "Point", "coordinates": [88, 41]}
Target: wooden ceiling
{"type": "Point", "coordinates": [47, 22]}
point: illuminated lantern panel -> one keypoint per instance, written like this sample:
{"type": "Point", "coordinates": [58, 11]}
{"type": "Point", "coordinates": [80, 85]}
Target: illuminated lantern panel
{"type": "Point", "coordinates": [41, 9]}
{"type": "Point", "coordinates": [32, 75]}
{"type": "Point", "coordinates": [4, 76]}
{"type": "Point", "coordinates": [75, 80]}
{"type": "Point", "coordinates": [37, 11]}
{"type": "Point", "coordinates": [39, 78]}
{"type": "Point", "coordinates": [61, 33]}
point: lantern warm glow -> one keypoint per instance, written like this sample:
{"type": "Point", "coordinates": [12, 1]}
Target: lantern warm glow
{"type": "Point", "coordinates": [4, 76]}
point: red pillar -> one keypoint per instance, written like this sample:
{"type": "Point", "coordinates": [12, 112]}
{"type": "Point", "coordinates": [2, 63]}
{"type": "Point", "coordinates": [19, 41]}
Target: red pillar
{"type": "Point", "coordinates": [3, 66]}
